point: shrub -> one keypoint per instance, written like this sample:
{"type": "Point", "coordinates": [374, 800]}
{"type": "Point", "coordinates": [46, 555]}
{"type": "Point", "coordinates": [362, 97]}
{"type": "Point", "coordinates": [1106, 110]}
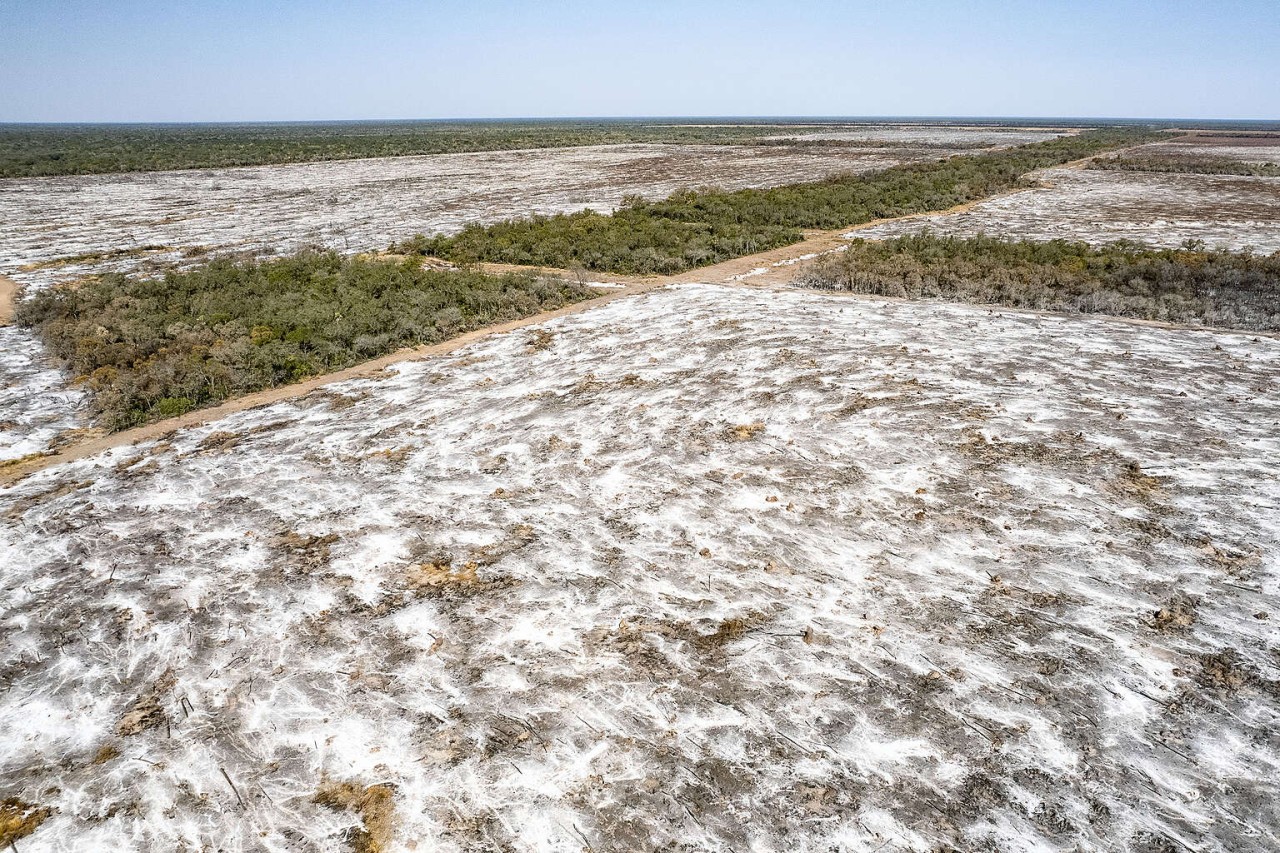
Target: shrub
{"type": "Point", "coordinates": [1189, 285]}
{"type": "Point", "coordinates": [153, 348]}
{"type": "Point", "coordinates": [698, 227]}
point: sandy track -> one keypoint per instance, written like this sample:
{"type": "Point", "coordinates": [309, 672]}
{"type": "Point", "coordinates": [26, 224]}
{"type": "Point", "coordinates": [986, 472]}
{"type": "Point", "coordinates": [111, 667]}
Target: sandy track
{"type": "Point", "coordinates": [771, 268]}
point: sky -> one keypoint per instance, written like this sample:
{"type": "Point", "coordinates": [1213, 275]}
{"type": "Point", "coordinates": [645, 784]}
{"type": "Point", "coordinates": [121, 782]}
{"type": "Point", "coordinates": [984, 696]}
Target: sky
{"type": "Point", "coordinates": [265, 60]}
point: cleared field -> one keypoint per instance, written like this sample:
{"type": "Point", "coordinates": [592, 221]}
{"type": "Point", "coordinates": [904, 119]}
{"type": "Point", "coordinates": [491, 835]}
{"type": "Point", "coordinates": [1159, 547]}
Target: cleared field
{"type": "Point", "coordinates": [713, 567]}
{"type": "Point", "coordinates": [1225, 211]}
{"type": "Point", "coordinates": [960, 137]}
{"type": "Point", "coordinates": [109, 221]}
{"type": "Point", "coordinates": [64, 228]}
{"type": "Point", "coordinates": [1268, 151]}
{"type": "Point", "coordinates": [358, 205]}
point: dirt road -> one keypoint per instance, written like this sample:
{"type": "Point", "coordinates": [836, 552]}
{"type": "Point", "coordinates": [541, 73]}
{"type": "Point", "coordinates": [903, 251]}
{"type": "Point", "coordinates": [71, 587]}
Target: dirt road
{"type": "Point", "coordinates": [772, 268]}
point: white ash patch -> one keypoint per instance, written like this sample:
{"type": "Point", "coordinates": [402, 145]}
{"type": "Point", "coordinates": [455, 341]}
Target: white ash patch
{"type": "Point", "coordinates": [1225, 211]}
{"type": "Point", "coordinates": [1225, 151]}
{"type": "Point", "coordinates": [35, 403]}
{"type": "Point", "coordinates": [362, 205]}
{"type": "Point", "coordinates": [716, 567]}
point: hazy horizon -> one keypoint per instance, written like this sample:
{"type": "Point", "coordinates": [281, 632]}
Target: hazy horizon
{"type": "Point", "coordinates": [139, 61]}
{"type": "Point", "coordinates": [1063, 120]}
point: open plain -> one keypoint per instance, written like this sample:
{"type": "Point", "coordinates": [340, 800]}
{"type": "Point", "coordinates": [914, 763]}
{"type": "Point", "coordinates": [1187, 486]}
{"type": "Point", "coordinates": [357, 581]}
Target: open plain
{"type": "Point", "coordinates": [1159, 209]}
{"type": "Point", "coordinates": [901, 576]}
{"type": "Point", "coordinates": [63, 228]}
{"type": "Point", "coordinates": [706, 563]}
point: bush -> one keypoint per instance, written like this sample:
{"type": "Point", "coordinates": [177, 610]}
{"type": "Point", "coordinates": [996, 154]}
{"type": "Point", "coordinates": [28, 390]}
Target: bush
{"type": "Point", "coordinates": [1188, 285]}
{"type": "Point", "coordinates": [694, 228]}
{"type": "Point", "coordinates": [153, 348]}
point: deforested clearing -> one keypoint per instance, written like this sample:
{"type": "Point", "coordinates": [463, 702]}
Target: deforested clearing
{"type": "Point", "coordinates": [1160, 209]}
{"type": "Point", "coordinates": [69, 226]}
{"type": "Point", "coordinates": [709, 568]}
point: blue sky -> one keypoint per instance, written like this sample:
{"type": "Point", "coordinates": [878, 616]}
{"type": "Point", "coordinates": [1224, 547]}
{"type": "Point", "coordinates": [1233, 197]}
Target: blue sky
{"type": "Point", "coordinates": [225, 60]}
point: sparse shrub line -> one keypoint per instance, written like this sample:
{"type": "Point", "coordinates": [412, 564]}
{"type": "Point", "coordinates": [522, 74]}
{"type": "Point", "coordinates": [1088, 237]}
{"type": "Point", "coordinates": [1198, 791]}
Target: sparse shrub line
{"type": "Point", "coordinates": [1190, 285]}
{"type": "Point", "coordinates": [148, 349]}
{"type": "Point", "coordinates": [1187, 165]}
{"type": "Point", "coordinates": [696, 228]}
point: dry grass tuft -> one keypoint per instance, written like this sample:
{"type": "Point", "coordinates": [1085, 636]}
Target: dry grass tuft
{"type": "Point", "coordinates": [744, 432]}
{"type": "Point", "coordinates": [375, 805]}
{"type": "Point", "coordinates": [1178, 614]}
{"type": "Point", "coordinates": [541, 340]}
{"type": "Point", "coordinates": [19, 819]}
{"type": "Point", "coordinates": [442, 580]}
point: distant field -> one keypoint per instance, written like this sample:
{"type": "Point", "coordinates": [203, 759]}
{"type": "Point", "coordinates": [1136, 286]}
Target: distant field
{"type": "Point", "coordinates": [698, 228]}
{"type": "Point", "coordinates": [44, 150]}
{"type": "Point", "coordinates": [38, 150]}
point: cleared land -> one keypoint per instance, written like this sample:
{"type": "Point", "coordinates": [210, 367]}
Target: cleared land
{"type": "Point", "coordinates": [719, 567]}
{"type": "Point", "coordinates": [70, 228]}
{"type": "Point", "coordinates": [81, 225]}
{"type": "Point", "coordinates": [1223, 211]}
{"type": "Point", "coordinates": [34, 150]}
{"type": "Point", "coordinates": [61, 229]}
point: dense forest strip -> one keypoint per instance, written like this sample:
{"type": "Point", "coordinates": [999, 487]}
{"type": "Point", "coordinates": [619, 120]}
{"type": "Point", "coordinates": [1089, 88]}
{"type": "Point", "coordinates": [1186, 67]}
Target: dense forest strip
{"type": "Point", "coordinates": [1189, 286]}
{"type": "Point", "coordinates": [148, 349]}
{"type": "Point", "coordinates": [47, 150]}
{"type": "Point", "coordinates": [696, 228]}
{"type": "Point", "coordinates": [1186, 165]}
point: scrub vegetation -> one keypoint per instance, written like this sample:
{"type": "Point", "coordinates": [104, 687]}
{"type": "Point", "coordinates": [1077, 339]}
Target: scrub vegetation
{"type": "Point", "coordinates": [1187, 165]}
{"type": "Point", "coordinates": [44, 150]}
{"type": "Point", "coordinates": [695, 228]}
{"type": "Point", "coordinates": [1189, 285]}
{"type": "Point", "coordinates": [154, 348]}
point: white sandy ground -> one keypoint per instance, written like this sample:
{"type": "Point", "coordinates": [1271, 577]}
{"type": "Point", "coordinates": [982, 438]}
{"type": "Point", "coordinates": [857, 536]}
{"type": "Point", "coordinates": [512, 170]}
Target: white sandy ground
{"type": "Point", "coordinates": [1226, 151]}
{"type": "Point", "coordinates": [349, 205]}
{"type": "Point", "coordinates": [359, 205]}
{"type": "Point", "coordinates": [1225, 211]}
{"type": "Point", "coordinates": [35, 403]}
{"type": "Point", "coordinates": [942, 632]}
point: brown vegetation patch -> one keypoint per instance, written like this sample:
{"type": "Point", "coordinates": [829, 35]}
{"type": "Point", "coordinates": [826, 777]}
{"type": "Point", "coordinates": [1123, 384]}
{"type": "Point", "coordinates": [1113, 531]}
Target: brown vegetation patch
{"type": "Point", "coordinates": [338, 402]}
{"type": "Point", "coordinates": [541, 340]}
{"type": "Point", "coordinates": [305, 551]}
{"type": "Point", "coordinates": [743, 432]}
{"type": "Point", "coordinates": [220, 440]}
{"type": "Point", "coordinates": [1227, 672]}
{"type": "Point", "coordinates": [375, 805]}
{"type": "Point", "coordinates": [392, 455]}
{"type": "Point", "coordinates": [631, 636]}
{"type": "Point", "coordinates": [1178, 614]}
{"type": "Point", "coordinates": [442, 580]}
{"type": "Point", "coordinates": [1134, 483]}
{"type": "Point", "coordinates": [19, 819]}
